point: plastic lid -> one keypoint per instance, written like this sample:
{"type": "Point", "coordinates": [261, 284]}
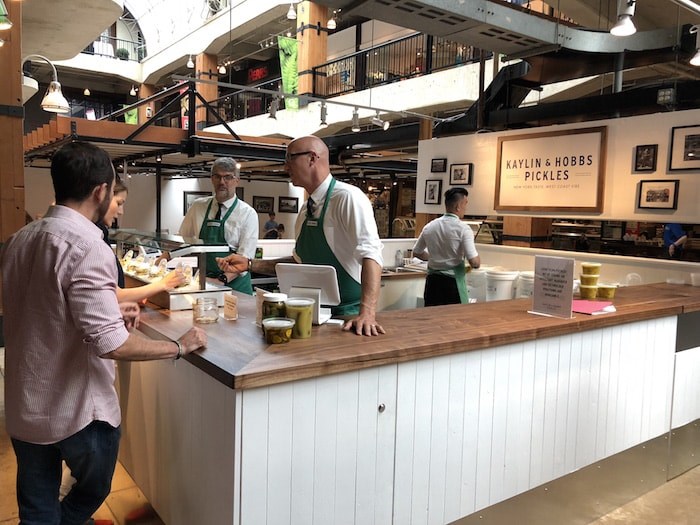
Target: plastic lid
{"type": "Point", "coordinates": [275, 297]}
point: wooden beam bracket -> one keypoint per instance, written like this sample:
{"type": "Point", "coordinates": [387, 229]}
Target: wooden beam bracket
{"type": "Point", "coordinates": [11, 111]}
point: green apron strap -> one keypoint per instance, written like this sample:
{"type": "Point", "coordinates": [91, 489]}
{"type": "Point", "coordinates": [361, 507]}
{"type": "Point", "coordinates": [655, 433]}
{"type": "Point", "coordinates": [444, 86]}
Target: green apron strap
{"type": "Point", "coordinates": [460, 277]}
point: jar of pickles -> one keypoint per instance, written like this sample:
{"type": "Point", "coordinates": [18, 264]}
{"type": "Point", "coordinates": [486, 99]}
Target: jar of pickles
{"type": "Point", "coordinates": [273, 305]}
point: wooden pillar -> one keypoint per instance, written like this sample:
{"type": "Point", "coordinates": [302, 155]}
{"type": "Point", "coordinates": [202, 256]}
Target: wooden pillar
{"type": "Point", "coordinates": [532, 232]}
{"type": "Point", "coordinates": [206, 68]}
{"type": "Point", "coordinates": [145, 91]}
{"type": "Point", "coordinates": [12, 210]}
{"type": "Point", "coordinates": [313, 42]}
{"type": "Point", "coordinates": [425, 132]}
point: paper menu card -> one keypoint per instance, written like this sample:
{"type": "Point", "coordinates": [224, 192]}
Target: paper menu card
{"type": "Point", "coordinates": [554, 286]}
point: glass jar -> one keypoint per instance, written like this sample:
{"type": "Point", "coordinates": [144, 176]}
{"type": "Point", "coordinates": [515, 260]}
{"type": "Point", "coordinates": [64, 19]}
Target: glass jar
{"type": "Point", "coordinates": [205, 310]}
{"type": "Point", "coordinates": [273, 305]}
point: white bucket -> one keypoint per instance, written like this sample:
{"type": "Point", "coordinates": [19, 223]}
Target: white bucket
{"type": "Point", "coordinates": [476, 285]}
{"type": "Point", "coordinates": [500, 285]}
{"type": "Point", "coordinates": [525, 285]}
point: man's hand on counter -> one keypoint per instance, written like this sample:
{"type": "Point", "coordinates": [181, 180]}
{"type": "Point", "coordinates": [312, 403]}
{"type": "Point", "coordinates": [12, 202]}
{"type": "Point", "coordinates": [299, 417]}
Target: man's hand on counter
{"type": "Point", "coordinates": [364, 324]}
{"type": "Point", "coordinates": [194, 339]}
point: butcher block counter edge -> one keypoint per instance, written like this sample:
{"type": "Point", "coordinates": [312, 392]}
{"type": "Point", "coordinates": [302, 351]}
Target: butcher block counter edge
{"type": "Point", "coordinates": [238, 356]}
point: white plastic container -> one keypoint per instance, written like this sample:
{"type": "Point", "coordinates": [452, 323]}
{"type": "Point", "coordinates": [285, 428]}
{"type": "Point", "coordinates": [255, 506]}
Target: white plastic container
{"type": "Point", "coordinates": [476, 285]}
{"type": "Point", "coordinates": [500, 284]}
{"type": "Point", "coordinates": [525, 285]}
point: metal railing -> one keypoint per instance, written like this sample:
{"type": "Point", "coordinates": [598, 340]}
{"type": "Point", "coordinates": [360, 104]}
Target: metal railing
{"type": "Point", "coordinates": [404, 58]}
{"type": "Point", "coordinates": [239, 104]}
{"type": "Point", "coordinates": [117, 48]}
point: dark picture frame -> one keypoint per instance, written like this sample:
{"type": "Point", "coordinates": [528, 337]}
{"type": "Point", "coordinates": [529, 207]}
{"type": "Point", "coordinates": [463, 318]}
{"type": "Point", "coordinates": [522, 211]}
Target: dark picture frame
{"type": "Point", "coordinates": [438, 166]}
{"type": "Point", "coordinates": [461, 174]}
{"type": "Point", "coordinates": [433, 191]}
{"type": "Point", "coordinates": [288, 204]}
{"type": "Point", "coordinates": [240, 192]}
{"type": "Point", "coordinates": [645, 157]}
{"type": "Point", "coordinates": [658, 194]}
{"type": "Point", "coordinates": [263, 204]}
{"type": "Point", "coordinates": [188, 197]}
{"type": "Point", "coordinates": [684, 151]}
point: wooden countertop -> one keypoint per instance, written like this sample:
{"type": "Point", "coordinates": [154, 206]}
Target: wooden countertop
{"type": "Point", "coordinates": [238, 356]}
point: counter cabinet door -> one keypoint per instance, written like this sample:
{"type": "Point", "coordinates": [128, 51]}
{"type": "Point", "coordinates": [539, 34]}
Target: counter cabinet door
{"type": "Point", "coordinates": [320, 450]}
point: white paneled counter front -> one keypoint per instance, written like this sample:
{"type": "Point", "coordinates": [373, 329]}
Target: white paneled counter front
{"type": "Point", "coordinates": [455, 409]}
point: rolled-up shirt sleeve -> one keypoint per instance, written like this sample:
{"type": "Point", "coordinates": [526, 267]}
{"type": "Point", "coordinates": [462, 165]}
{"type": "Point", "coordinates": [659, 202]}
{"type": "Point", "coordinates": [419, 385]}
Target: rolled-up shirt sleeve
{"type": "Point", "coordinates": [93, 301]}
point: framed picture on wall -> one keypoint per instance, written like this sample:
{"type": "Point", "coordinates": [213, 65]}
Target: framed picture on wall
{"type": "Point", "coordinates": [190, 196]}
{"type": "Point", "coordinates": [288, 205]}
{"type": "Point", "coordinates": [658, 194]}
{"type": "Point", "coordinates": [645, 157]}
{"type": "Point", "coordinates": [684, 152]}
{"type": "Point", "coordinates": [438, 166]}
{"type": "Point", "coordinates": [263, 204]}
{"type": "Point", "coordinates": [461, 174]}
{"type": "Point", "coordinates": [433, 191]}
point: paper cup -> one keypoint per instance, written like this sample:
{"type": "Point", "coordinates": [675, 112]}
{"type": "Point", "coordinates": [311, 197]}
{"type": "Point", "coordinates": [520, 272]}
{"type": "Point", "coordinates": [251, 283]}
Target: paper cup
{"type": "Point", "coordinates": [588, 292]}
{"type": "Point", "coordinates": [589, 280]}
{"type": "Point", "coordinates": [606, 291]}
{"type": "Point", "coordinates": [590, 268]}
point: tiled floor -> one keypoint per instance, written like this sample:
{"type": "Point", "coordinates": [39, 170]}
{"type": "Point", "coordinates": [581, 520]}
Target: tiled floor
{"type": "Point", "coordinates": [675, 503]}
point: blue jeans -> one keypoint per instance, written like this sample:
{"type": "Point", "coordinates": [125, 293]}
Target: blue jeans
{"type": "Point", "coordinates": [91, 454]}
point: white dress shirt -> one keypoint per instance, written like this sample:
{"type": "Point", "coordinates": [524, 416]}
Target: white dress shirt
{"type": "Point", "coordinates": [448, 241]}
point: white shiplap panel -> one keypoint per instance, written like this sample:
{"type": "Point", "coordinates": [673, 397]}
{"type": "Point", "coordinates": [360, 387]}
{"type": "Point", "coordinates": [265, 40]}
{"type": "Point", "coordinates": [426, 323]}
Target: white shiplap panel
{"type": "Point", "coordinates": [539, 388]}
{"type": "Point", "coordinates": [469, 455]}
{"type": "Point", "coordinates": [421, 437]}
{"type": "Point", "coordinates": [325, 448]}
{"type": "Point", "coordinates": [456, 438]}
{"type": "Point", "coordinates": [303, 446]}
{"type": "Point", "coordinates": [439, 425]}
{"type": "Point", "coordinates": [254, 448]}
{"type": "Point", "coordinates": [516, 439]}
{"type": "Point", "coordinates": [552, 406]}
{"type": "Point", "coordinates": [585, 435]}
{"type": "Point", "coordinates": [346, 451]}
{"type": "Point", "coordinates": [279, 455]}
{"type": "Point", "coordinates": [632, 354]}
{"type": "Point", "coordinates": [603, 395]}
{"type": "Point", "coordinates": [615, 396]}
{"type": "Point", "coordinates": [526, 418]}
{"type": "Point", "coordinates": [662, 385]}
{"type": "Point", "coordinates": [501, 397]}
{"type": "Point", "coordinates": [485, 430]}
{"type": "Point", "coordinates": [405, 425]}
{"type": "Point", "coordinates": [562, 432]}
{"type": "Point", "coordinates": [686, 398]}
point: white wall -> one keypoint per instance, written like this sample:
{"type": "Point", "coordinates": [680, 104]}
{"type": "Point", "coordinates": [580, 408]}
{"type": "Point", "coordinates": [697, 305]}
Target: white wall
{"type": "Point", "coordinates": [621, 183]}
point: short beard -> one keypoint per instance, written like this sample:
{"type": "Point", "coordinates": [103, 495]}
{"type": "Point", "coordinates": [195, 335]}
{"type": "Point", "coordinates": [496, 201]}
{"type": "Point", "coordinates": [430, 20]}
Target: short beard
{"type": "Point", "coordinates": [103, 209]}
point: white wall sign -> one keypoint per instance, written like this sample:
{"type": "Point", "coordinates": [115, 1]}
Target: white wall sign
{"type": "Point", "coordinates": [553, 171]}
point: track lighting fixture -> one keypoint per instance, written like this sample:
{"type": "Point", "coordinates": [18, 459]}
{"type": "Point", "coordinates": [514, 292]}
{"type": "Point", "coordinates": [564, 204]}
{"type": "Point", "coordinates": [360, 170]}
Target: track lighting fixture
{"type": "Point", "coordinates": [384, 124]}
{"type": "Point", "coordinates": [324, 115]}
{"type": "Point", "coordinates": [695, 61]}
{"type": "Point", "coordinates": [86, 92]}
{"type": "Point", "coordinates": [159, 158]}
{"type": "Point", "coordinates": [292, 13]}
{"type": "Point", "coordinates": [222, 69]}
{"type": "Point", "coordinates": [132, 92]}
{"type": "Point", "coordinates": [624, 25]}
{"type": "Point", "coordinates": [5, 22]}
{"type": "Point", "coordinates": [190, 63]}
{"type": "Point", "coordinates": [53, 101]}
{"type": "Point", "coordinates": [332, 22]}
{"type": "Point", "coordinates": [356, 121]}
{"type": "Point", "coordinates": [274, 106]}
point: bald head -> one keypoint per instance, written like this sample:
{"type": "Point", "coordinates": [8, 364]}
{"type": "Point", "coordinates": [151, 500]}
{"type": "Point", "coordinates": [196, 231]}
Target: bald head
{"type": "Point", "coordinates": [307, 162]}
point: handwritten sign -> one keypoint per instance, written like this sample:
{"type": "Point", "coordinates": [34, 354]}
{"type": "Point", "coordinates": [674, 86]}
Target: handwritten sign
{"type": "Point", "coordinates": [552, 171]}
{"type": "Point", "coordinates": [554, 286]}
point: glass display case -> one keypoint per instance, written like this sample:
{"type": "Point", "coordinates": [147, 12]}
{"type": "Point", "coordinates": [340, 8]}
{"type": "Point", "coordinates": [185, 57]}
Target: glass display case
{"type": "Point", "coordinates": [140, 254]}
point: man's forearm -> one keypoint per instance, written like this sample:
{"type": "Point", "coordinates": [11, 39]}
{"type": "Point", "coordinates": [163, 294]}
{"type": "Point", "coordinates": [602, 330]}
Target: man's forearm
{"type": "Point", "coordinates": [267, 266]}
{"type": "Point", "coordinates": [371, 283]}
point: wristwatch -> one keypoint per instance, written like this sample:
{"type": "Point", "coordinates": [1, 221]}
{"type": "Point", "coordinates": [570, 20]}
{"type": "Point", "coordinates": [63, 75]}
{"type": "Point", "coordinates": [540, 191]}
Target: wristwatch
{"type": "Point", "coordinates": [222, 277]}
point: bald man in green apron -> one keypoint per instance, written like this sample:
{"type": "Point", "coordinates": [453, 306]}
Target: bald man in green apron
{"type": "Point", "coordinates": [224, 219]}
{"type": "Point", "coordinates": [445, 243]}
{"type": "Point", "coordinates": [336, 228]}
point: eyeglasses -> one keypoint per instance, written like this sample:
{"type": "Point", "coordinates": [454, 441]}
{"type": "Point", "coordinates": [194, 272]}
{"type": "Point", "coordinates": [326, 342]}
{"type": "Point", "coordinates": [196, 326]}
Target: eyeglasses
{"type": "Point", "coordinates": [227, 178]}
{"type": "Point", "coordinates": [290, 156]}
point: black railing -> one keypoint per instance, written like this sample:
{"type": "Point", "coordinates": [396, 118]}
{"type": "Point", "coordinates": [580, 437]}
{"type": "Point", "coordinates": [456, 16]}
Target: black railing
{"type": "Point", "coordinates": [117, 48]}
{"type": "Point", "coordinates": [404, 58]}
{"type": "Point", "coordinates": [239, 104]}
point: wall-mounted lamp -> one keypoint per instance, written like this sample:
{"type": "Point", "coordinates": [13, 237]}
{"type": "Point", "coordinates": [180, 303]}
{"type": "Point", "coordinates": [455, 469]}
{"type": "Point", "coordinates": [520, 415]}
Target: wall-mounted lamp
{"type": "Point", "coordinates": [292, 12]}
{"type": "Point", "coordinates": [695, 61]}
{"type": "Point", "coordinates": [132, 91]}
{"type": "Point", "coordinates": [356, 120]}
{"type": "Point", "coordinates": [53, 101]}
{"type": "Point", "coordinates": [86, 92]}
{"type": "Point", "coordinates": [384, 124]}
{"type": "Point", "coordinates": [624, 25]}
{"type": "Point", "coordinates": [5, 22]}
{"type": "Point", "coordinates": [274, 106]}
{"type": "Point", "coordinates": [324, 115]}
{"type": "Point", "coordinates": [190, 63]}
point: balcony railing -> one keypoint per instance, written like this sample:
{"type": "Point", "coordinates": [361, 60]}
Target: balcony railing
{"type": "Point", "coordinates": [404, 58]}
{"type": "Point", "coordinates": [117, 48]}
{"type": "Point", "coordinates": [239, 104]}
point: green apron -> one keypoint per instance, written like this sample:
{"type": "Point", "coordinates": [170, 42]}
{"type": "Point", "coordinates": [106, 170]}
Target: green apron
{"type": "Point", "coordinates": [313, 248]}
{"type": "Point", "coordinates": [212, 231]}
{"type": "Point", "coordinates": [459, 274]}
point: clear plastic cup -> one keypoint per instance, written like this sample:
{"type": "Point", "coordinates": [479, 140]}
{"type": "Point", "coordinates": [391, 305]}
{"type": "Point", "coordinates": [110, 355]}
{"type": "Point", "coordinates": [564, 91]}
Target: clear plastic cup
{"type": "Point", "coordinates": [277, 329]}
{"type": "Point", "coordinates": [301, 309]}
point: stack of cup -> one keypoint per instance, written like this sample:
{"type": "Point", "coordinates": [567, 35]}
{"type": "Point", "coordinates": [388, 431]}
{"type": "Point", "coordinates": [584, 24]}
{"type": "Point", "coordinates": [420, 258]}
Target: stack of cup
{"type": "Point", "coordinates": [589, 280]}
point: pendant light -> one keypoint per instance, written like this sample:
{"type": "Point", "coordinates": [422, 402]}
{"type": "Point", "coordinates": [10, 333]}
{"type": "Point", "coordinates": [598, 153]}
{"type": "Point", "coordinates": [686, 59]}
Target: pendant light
{"type": "Point", "coordinates": [292, 12]}
{"type": "Point", "coordinates": [5, 22]}
{"type": "Point", "coordinates": [624, 25]}
{"type": "Point", "coordinates": [53, 100]}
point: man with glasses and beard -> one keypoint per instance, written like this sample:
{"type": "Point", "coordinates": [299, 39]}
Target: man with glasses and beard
{"type": "Point", "coordinates": [224, 219]}
{"type": "Point", "coordinates": [63, 329]}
